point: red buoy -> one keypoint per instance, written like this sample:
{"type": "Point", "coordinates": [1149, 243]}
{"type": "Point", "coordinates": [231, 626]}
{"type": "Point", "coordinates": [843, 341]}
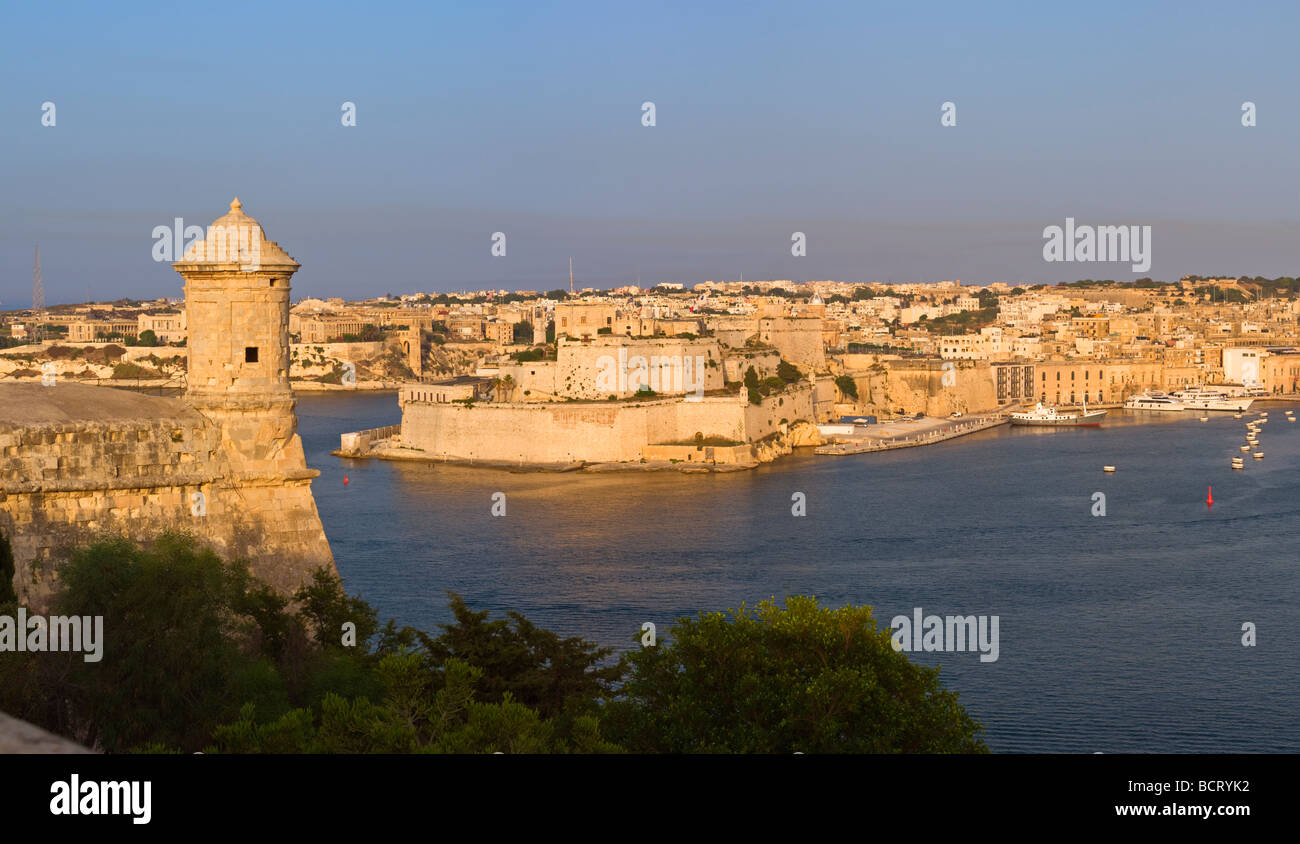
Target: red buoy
{"type": "Point", "coordinates": [345, 480]}
{"type": "Point", "coordinates": [1209, 497]}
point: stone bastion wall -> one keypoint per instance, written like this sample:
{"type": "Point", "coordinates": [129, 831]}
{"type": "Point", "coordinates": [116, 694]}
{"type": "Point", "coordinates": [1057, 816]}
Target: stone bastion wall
{"type": "Point", "coordinates": [68, 483]}
{"type": "Point", "coordinates": [568, 432]}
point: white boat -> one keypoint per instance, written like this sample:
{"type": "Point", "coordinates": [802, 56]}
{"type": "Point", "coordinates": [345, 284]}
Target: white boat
{"type": "Point", "coordinates": [1239, 390]}
{"type": "Point", "coordinates": [1041, 415]}
{"type": "Point", "coordinates": [1199, 398]}
{"type": "Point", "coordinates": [1153, 401]}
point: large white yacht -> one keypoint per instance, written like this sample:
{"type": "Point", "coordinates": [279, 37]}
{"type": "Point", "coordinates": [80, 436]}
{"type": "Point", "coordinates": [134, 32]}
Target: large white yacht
{"type": "Point", "coordinates": [1154, 401]}
{"type": "Point", "coordinates": [1200, 398]}
{"type": "Point", "coordinates": [1041, 415]}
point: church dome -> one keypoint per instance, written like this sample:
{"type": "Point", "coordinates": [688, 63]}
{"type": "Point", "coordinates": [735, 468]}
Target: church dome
{"type": "Point", "coordinates": [236, 238]}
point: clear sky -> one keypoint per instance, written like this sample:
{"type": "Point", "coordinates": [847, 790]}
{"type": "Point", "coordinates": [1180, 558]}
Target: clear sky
{"type": "Point", "coordinates": [525, 118]}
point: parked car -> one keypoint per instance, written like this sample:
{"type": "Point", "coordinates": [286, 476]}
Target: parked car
{"type": "Point", "coordinates": [956, 414]}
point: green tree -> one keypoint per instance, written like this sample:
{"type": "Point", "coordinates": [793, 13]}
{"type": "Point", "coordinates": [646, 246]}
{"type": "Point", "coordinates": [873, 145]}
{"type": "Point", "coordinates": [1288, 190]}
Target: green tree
{"type": "Point", "coordinates": [148, 338]}
{"type": "Point", "coordinates": [411, 717]}
{"type": "Point", "coordinates": [536, 667]}
{"type": "Point", "coordinates": [778, 680]}
{"type": "Point", "coordinates": [328, 608]}
{"type": "Point", "coordinates": [847, 386]}
{"type": "Point", "coordinates": [180, 644]}
{"type": "Point", "coordinates": [751, 378]}
{"type": "Point", "coordinates": [788, 372]}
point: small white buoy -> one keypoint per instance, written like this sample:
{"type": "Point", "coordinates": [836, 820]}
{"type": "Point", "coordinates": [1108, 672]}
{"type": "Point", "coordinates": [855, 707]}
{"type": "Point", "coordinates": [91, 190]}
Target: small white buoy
{"type": "Point", "coordinates": [1108, 469]}
{"type": "Point", "coordinates": [1205, 419]}
{"type": "Point", "coordinates": [1236, 416]}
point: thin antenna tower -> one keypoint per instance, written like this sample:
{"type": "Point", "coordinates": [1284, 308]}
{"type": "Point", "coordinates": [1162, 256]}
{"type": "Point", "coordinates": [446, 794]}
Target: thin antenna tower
{"type": "Point", "coordinates": [38, 291]}
{"type": "Point", "coordinates": [570, 275]}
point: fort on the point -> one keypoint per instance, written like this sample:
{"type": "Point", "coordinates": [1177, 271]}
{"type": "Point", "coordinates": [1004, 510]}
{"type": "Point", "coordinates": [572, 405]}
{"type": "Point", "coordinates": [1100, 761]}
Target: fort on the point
{"type": "Point", "coordinates": [224, 462]}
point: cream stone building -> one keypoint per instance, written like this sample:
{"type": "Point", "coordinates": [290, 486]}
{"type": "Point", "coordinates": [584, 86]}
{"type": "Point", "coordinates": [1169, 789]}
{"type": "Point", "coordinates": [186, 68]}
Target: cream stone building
{"type": "Point", "coordinates": [604, 366]}
{"type": "Point", "coordinates": [167, 327]}
{"type": "Point", "coordinates": [579, 320]}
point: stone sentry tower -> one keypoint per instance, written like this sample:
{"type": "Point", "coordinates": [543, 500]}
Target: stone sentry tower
{"type": "Point", "coordinates": [224, 463]}
{"type": "Point", "coordinates": [237, 312]}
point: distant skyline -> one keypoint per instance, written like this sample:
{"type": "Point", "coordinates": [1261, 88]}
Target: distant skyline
{"type": "Point", "coordinates": [770, 119]}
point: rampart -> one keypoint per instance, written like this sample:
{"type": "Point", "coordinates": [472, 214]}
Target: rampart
{"type": "Point", "coordinates": [568, 432]}
{"type": "Point", "coordinates": [78, 463]}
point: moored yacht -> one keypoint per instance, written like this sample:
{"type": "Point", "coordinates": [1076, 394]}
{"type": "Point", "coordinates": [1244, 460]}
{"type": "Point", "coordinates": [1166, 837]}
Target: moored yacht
{"type": "Point", "coordinates": [1041, 415]}
{"type": "Point", "coordinates": [1199, 398]}
{"type": "Point", "coordinates": [1153, 401]}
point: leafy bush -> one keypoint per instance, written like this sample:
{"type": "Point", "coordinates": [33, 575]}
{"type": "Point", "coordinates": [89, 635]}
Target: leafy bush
{"type": "Point", "coordinates": [198, 654]}
{"type": "Point", "coordinates": [132, 370]}
{"type": "Point", "coordinates": [779, 680]}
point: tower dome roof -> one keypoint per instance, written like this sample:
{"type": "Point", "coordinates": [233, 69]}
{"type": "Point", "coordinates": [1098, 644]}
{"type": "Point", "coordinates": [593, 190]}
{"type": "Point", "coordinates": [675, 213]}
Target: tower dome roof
{"type": "Point", "coordinates": [236, 238]}
{"type": "Point", "coordinates": [236, 216]}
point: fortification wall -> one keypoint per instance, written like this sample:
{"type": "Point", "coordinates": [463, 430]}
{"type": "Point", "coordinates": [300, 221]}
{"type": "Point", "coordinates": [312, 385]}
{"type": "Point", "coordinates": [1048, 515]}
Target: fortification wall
{"type": "Point", "coordinates": [738, 362]}
{"type": "Point", "coordinates": [792, 405]}
{"type": "Point", "coordinates": [592, 370]}
{"type": "Point", "coordinates": [732, 331]}
{"type": "Point", "coordinates": [924, 386]}
{"type": "Point", "coordinates": [66, 484]}
{"type": "Point", "coordinates": [798, 339]}
{"type": "Point", "coordinates": [565, 432]}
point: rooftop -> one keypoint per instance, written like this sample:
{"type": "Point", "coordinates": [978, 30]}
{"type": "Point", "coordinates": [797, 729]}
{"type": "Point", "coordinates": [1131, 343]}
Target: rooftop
{"type": "Point", "coordinates": [27, 404]}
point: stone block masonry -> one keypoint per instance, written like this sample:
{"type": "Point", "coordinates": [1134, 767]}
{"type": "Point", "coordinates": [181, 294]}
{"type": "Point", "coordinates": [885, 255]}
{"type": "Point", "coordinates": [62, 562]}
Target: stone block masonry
{"type": "Point", "coordinates": [90, 462]}
{"type": "Point", "coordinates": [597, 432]}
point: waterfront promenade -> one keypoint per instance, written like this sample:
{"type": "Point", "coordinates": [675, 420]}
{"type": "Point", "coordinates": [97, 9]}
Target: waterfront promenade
{"type": "Point", "coordinates": [912, 433]}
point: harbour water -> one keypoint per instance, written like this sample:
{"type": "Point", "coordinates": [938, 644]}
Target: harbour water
{"type": "Point", "coordinates": [1118, 633]}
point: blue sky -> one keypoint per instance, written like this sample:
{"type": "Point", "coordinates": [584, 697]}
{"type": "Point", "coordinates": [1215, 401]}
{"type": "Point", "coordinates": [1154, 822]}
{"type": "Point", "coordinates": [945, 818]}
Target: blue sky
{"type": "Point", "coordinates": [525, 118]}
